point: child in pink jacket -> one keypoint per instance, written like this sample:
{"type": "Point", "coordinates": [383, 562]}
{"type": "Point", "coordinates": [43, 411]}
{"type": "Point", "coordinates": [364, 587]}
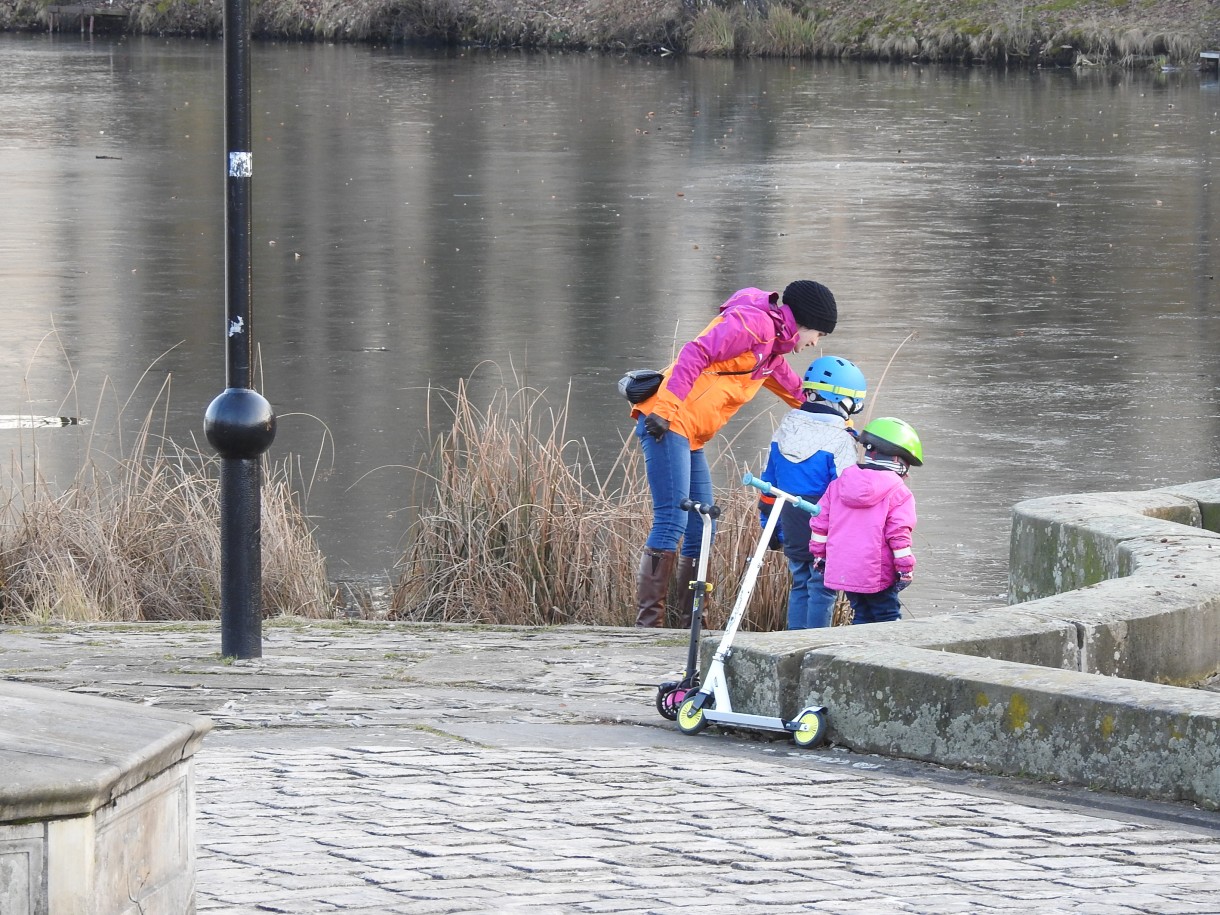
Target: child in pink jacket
{"type": "Point", "coordinates": [862, 536]}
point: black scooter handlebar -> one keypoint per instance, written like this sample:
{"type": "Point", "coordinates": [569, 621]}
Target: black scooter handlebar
{"type": "Point", "coordinates": [689, 505]}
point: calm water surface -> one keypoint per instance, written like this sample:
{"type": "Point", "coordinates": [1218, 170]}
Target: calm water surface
{"type": "Point", "coordinates": [1048, 238]}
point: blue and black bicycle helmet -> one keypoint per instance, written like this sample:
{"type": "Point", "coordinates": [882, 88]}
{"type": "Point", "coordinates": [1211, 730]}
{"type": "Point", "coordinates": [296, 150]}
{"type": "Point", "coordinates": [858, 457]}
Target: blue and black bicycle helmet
{"type": "Point", "coordinates": [837, 380]}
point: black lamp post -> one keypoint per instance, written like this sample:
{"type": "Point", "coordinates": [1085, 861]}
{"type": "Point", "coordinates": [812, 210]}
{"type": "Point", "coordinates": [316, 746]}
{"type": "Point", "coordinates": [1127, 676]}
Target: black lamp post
{"type": "Point", "coordinates": [239, 423]}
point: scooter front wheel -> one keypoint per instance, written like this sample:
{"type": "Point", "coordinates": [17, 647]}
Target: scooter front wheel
{"type": "Point", "coordinates": [691, 720]}
{"type": "Point", "coordinates": [811, 729]}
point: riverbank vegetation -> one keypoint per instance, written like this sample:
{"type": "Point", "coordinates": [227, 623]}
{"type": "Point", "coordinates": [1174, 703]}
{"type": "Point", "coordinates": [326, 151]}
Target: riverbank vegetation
{"type": "Point", "coordinates": [135, 537]}
{"type": "Point", "coordinates": [517, 526]}
{"type": "Point", "coordinates": [1128, 33]}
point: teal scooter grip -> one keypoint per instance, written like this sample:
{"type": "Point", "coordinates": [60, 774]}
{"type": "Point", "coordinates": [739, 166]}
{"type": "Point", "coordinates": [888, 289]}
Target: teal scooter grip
{"type": "Point", "coordinates": [768, 489]}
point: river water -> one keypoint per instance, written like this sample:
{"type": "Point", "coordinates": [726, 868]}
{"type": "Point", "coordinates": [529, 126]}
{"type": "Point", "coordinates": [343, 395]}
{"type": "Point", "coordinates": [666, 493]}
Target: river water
{"type": "Point", "coordinates": [1045, 243]}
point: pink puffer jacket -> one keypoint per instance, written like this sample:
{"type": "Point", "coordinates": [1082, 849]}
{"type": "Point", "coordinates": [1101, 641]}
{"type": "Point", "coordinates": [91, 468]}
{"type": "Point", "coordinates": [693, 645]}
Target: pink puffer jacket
{"type": "Point", "coordinates": [864, 530]}
{"type": "Point", "coordinates": [741, 351]}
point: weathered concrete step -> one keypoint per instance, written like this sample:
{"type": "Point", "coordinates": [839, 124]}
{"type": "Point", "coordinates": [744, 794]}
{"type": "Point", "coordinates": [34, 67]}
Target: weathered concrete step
{"type": "Point", "coordinates": [1078, 682]}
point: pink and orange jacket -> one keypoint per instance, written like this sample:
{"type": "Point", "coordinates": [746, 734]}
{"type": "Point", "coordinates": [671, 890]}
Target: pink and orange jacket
{"type": "Point", "coordinates": [720, 370]}
{"type": "Point", "coordinates": [864, 530]}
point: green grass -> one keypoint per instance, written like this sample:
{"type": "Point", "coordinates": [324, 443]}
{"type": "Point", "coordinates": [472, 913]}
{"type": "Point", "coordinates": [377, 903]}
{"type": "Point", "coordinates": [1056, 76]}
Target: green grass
{"type": "Point", "coordinates": [789, 34]}
{"type": "Point", "coordinates": [713, 33]}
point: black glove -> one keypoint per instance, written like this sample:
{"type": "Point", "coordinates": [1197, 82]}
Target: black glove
{"type": "Point", "coordinates": [904, 580]}
{"type": "Point", "coordinates": [656, 426]}
{"type": "Point", "coordinates": [777, 540]}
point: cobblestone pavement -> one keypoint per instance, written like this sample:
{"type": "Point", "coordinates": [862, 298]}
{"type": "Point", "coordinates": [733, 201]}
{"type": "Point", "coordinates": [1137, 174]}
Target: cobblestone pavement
{"type": "Point", "coordinates": [364, 769]}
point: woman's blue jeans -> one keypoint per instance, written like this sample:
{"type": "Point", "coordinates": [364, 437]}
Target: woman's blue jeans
{"type": "Point", "coordinates": [675, 473]}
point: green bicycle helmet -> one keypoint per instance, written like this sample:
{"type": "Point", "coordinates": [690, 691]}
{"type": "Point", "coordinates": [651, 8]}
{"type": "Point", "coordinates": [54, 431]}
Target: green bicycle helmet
{"type": "Point", "coordinates": [893, 437]}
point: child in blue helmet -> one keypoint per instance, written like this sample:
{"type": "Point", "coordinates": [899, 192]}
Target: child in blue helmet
{"type": "Point", "coordinates": [811, 447]}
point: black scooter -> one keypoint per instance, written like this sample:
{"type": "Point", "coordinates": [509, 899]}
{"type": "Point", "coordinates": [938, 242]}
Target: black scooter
{"type": "Point", "coordinates": [672, 693]}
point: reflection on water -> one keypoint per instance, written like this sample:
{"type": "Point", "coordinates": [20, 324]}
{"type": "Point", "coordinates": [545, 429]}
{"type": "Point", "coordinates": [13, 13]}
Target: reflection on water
{"type": "Point", "coordinates": [1048, 237]}
{"type": "Point", "coordinates": [19, 421]}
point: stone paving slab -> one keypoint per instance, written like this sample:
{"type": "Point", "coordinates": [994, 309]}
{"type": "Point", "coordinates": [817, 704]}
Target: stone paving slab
{"type": "Point", "coordinates": [448, 828]}
{"type": "Point", "coordinates": [363, 768]}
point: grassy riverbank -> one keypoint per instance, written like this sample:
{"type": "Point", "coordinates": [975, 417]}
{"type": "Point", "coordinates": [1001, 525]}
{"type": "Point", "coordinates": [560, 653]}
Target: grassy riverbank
{"type": "Point", "coordinates": [1128, 33]}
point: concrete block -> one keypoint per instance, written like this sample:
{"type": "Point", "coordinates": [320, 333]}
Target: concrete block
{"type": "Point", "coordinates": [68, 754]}
{"type": "Point", "coordinates": [1144, 627]}
{"type": "Point", "coordinates": [767, 671]}
{"type": "Point", "coordinates": [1061, 544]}
{"type": "Point", "coordinates": [1105, 732]}
{"type": "Point", "coordinates": [23, 888]}
{"type": "Point", "coordinates": [97, 805]}
{"type": "Point", "coordinates": [1120, 605]}
{"type": "Point", "coordinates": [1206, 493]}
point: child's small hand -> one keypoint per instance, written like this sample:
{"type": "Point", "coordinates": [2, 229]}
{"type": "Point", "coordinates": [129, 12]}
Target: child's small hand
{"type": "Point", "coordinates": [819, 564]}
{"type": "Point", "coordinates": [904, 580]}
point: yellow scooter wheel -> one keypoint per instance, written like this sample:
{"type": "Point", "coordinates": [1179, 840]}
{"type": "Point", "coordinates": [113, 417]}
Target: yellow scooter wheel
{"type": "Point", "coordinates": [811, 729]}
{"type": "Point", "coordinates": [690, 719]}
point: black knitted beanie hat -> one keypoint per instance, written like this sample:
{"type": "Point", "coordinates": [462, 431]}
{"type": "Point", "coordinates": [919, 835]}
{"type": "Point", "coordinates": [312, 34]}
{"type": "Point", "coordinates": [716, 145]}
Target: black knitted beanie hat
{"type": "Point", "coordinates": [813, 305]}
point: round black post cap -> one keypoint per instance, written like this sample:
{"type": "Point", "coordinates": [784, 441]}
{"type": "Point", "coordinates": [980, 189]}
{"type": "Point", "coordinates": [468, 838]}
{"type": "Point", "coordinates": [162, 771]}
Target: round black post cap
{"type": "Point", "coordinates": [240, 423]}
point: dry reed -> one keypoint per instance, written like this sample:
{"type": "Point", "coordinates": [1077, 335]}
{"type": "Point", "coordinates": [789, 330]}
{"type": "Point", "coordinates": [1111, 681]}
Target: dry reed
{"type": "Point", "coordinates": [713, 32]}
{"type": "Point", "coordinates": [517, 527]}
{"type": "Point", "coordinates": [137, 538]}
{"type": "Point", "coordinates": [786, 33]}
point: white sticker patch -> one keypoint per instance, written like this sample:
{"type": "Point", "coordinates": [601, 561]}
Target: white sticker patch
{"type": "Point", "coordinates": [236, 326]}
{"type": "Point", "coordinates": [241, 164]}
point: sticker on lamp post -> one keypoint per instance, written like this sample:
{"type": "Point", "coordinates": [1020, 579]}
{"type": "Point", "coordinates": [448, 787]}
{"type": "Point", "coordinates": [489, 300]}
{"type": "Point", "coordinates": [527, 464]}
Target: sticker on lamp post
{"type": "Point", "coordinates": [241, 164]}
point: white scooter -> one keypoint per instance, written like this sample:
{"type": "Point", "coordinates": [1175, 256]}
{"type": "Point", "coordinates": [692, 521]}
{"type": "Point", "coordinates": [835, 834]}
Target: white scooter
{"type": "Point", "coordinates": [712, 704]}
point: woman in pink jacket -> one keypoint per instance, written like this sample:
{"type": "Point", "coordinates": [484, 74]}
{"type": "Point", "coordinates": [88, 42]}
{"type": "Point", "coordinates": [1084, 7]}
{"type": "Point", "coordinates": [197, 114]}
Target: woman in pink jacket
{"type": "Point", "coordinates": [741, 351]}
{"type": "Point", "coordinates": [862, 536]}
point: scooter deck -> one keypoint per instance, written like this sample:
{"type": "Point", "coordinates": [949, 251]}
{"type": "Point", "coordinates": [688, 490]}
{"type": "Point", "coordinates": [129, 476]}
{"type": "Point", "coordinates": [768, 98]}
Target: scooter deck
{"type": "Point", "coordinates": [740, 719]}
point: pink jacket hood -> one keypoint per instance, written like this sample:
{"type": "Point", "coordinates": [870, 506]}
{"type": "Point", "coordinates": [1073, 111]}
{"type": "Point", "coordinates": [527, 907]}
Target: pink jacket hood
{"type": "Point", "coordinates": [866, 488]}
{"type": "Point", "coordinates": [780, 315]}
{"type": "Point", "coordinates": [864, 530]}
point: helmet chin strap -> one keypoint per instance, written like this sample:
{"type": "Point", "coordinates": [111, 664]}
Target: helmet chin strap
{"type": "Point", "coordinates": [844, 407]}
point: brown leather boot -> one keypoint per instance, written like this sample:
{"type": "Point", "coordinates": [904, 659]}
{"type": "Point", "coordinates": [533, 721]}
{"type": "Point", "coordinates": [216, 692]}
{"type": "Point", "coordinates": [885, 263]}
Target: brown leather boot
{"type": "Point", "coordinates": [652, 586]}
{"type": "Point", "coordinates": [687, 570]}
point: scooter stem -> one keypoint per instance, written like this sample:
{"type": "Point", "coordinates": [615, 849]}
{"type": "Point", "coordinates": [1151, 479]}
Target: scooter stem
{"type": "Point", "coordinates": [760, 552]}
{"type": "Point", "coordinates": [710, 513]}
{"type": "Point", "coordinates": [747, 587]}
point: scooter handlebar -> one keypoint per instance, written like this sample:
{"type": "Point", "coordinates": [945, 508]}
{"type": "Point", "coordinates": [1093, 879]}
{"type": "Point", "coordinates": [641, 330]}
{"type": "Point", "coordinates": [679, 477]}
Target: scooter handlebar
{"type": "Point", "coordinates": [689, 505]}
{"type": "Point", "coordinates": [768, 489]}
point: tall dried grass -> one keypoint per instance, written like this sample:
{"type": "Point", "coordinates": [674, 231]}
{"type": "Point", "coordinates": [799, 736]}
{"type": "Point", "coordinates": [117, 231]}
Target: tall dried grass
{"type": "Point", "coordinates": [516, 526]}
{"type": "Point", "coordinates": [190, 17]}
{"type": "Point", "coordinates": [713, 32]}
{"type": "Point", "coordinates": [136, 537]}
{"type": "Point", "coordinates": [787, 33]}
